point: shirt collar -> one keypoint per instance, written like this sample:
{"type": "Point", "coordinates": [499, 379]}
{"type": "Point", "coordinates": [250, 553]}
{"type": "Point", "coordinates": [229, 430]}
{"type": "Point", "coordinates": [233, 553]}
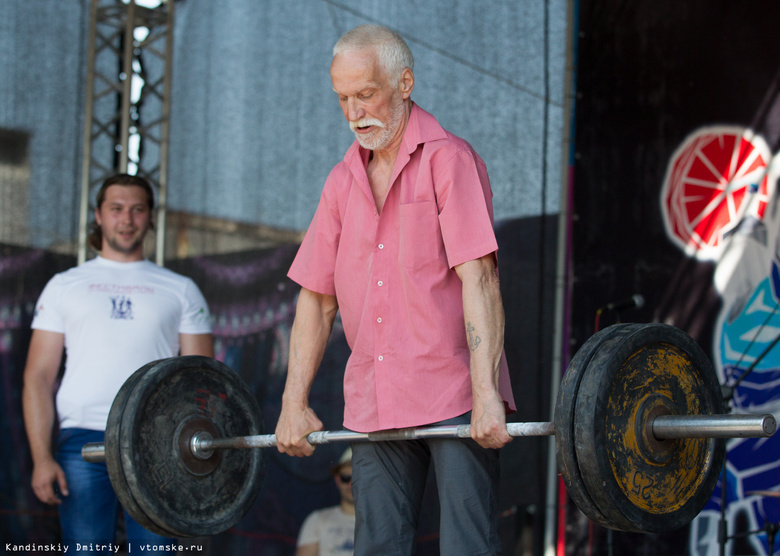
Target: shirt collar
{"type": "Point", "coordinates": [421, 128]}
{"type": "Point", "coordinates": [119, 264]}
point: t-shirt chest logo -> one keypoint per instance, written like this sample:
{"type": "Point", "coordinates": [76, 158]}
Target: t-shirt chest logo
{"type": "Point", "coordinates": [121, 307]}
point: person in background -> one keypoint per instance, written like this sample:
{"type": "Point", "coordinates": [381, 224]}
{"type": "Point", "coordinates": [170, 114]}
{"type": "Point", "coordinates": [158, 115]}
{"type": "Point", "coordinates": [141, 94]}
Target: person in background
{"type": "Point", "coordinates": [402, 245]}
{"type": "Point", "coordinates": [331, 531]}
{"type": "Point", "coordinates": [110, 315]}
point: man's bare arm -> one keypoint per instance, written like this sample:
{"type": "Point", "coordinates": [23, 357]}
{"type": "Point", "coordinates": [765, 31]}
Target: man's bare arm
{"type": "Point", "coordinates": [40, 373]}
{"type": "Point", "coordinates": [196, 344]}
{"type": "Point", "coordinates": [312, 549]}
{"type": "Point", "coordinates": [483, 313]}
{"type": "Point", "coordinates": [314, 316]}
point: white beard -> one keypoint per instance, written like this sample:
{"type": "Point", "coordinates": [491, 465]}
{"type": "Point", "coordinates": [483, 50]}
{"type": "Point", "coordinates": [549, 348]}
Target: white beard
{"type": "Point", "coordinates": [380, 138]}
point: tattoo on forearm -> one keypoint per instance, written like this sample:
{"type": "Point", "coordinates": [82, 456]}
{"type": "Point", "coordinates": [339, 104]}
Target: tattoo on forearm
{"type": "Point", "coordinates": [474, 340]}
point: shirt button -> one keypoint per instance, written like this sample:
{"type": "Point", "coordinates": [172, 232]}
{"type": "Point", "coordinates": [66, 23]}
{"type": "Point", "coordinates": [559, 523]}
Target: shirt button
{"type": "Point", "coordinates": [380, 357]}
{"type": "Point", "coordinates": [380, 283]}
{"type": "Point", "coordinates": [379, 320]}
{"type": "Point", "coordinates": [381, 246]}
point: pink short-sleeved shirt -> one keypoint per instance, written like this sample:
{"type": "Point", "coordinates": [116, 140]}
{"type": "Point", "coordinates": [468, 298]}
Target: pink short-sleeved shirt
{"type": "Point", "coordinates": [392, 273]}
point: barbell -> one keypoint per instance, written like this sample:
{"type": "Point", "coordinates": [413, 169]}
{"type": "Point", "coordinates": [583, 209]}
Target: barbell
{"type": "Point", "coordinates": [639, 427]}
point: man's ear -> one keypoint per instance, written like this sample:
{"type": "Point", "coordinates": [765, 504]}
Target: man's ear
{"type": "Point", "coordinates": [406, 83]}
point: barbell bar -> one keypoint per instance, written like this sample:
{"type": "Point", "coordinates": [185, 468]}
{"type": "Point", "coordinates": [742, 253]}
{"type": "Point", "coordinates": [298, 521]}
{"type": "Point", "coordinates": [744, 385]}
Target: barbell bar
{"type": "Point", "coordinates": [663, 427]}
{"type": "Point", "coordinates": [639, 426]}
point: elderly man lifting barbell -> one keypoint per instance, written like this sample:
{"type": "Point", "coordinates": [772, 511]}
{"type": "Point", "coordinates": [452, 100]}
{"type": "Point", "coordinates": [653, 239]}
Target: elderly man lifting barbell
{"type": "Point", "coordinates": [402, 244]}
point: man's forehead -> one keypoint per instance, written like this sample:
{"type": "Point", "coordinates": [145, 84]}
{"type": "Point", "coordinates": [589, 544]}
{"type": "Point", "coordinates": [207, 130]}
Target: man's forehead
{"type": "Point", "coordinates": [356, 68]}
{"type": "Point", "coordinates": [125, 193]}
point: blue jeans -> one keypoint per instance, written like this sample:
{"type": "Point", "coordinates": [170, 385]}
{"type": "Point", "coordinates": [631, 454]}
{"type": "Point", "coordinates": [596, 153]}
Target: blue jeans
{"type": "Point", "coordinates": [88, 515]}
{"type": "Point", "coordinates": [388, 482]}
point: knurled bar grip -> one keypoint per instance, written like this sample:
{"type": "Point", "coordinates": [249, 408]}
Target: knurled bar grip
{"type": "Point", "coordinates": [663, 426]}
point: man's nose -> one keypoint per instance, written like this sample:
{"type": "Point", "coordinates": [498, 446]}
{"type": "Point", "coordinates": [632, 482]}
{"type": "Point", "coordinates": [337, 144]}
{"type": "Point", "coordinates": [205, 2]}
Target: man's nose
{"type": "Point", "coordinates": [126, 216]}
{"type": "Point", "coordinates": [354, 110]}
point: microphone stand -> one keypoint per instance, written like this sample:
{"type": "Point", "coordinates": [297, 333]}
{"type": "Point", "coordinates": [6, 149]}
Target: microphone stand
{"type": "Point", "coordinates": [770, 529]}
{"type": "Point", "coordinates": [723, 534]}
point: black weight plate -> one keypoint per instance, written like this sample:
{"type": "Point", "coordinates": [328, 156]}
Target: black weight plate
{"type": "Point", "coordinates": [565, 450]}
{"type": "Point", "coordinates": [637, 482]}
{"type": "Point", "coordinates": [160, 478]}
{"type": "Point", "coordinates": [113, 460]}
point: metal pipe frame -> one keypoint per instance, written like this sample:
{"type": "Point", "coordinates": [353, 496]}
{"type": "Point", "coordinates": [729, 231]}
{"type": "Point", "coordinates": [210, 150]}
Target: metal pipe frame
{"type": "Point", "coordinates": [107, 131]}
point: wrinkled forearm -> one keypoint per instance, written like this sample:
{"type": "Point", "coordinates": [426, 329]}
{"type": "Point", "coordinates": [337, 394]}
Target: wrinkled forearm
{"type": "Point", "coordinates": [483, 313]}
{"type": "Point", "coordinates": [311, 329]}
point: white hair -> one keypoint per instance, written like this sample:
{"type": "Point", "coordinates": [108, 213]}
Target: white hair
{"type": "Point", "coordinates": [393, 52]}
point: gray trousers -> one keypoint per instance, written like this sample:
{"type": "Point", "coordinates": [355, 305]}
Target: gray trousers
{"type": "Point", "coordinates": [388, 482]}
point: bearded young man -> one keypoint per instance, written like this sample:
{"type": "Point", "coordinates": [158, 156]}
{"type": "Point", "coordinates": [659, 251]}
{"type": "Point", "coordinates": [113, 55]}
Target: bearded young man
{"type": "Point", "coordinates": [111, 315]}
{"type": "Point", "coordinates": [402, 243]}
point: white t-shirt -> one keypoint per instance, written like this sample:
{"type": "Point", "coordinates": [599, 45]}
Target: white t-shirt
{"type": "Point", "coordinates": [116, 317]}
{"type": "Point", "coordinates": [332, 529]}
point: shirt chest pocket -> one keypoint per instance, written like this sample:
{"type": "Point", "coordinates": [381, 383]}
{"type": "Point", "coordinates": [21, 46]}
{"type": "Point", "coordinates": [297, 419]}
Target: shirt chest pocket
{"type": "Point", "coordinates": [420, 235]}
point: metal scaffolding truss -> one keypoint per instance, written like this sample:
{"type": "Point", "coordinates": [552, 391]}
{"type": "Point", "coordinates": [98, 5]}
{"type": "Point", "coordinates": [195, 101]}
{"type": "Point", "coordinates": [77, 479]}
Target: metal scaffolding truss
{"type": "Point", "coordinates": [127, 102]}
